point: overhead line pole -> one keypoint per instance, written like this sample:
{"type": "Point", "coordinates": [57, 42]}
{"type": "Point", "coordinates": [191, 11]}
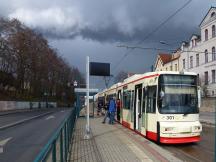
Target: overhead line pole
{"type": "Point", "coordinates": [87, 131]}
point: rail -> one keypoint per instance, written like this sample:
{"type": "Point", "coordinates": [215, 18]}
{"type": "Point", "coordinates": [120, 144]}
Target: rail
{"type": "Point", "coordinates": [58, 146]}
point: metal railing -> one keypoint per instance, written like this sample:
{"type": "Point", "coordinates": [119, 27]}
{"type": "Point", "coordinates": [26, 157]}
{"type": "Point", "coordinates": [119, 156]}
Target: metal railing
{"type": "Point", "coordinates": [57, 148]}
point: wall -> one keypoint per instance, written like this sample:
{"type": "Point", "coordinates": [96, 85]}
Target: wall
{"type": "Point", "coordinates": [208, 105]}
{"type": "Point", "coordinates": [15, 105]}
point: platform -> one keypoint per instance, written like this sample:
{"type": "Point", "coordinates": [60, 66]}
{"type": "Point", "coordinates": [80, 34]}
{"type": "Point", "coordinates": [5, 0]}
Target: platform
{"type": "Point", "coordinates": [114, 143]}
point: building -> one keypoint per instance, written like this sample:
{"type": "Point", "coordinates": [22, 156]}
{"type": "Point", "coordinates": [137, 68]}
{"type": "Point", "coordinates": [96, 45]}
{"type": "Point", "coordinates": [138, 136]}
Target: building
{"type": "Point", "coordinates": [167, 62]}
{"type": "Point", "coordinates": [198, 55]}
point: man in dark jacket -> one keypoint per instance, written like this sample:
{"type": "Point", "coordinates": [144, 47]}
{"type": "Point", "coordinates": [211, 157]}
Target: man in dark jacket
{"type": "Point", "coordinates": [99, 107]}
{"type": "Point", "coordinates": [106, 112]}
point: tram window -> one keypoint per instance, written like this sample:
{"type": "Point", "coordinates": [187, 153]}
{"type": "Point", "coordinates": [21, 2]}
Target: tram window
{"type": "Point", "coordinates": [151, 99]}
{"type": "Point", "coordinates": [126, 99]}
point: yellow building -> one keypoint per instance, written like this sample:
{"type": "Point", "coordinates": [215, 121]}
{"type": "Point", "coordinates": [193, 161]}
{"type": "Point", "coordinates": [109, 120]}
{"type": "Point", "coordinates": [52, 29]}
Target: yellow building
{"type": "Point", "coordinates": [167, 62]}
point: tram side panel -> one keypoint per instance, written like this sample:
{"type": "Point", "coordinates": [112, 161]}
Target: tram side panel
{"type": "Point", "coordinates": [127, 106]}
{"type": "Point", "coordinates": [144, 117]}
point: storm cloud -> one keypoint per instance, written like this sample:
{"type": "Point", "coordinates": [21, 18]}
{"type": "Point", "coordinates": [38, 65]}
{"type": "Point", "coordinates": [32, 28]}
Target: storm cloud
{"type": "Point", "coordinates": [107, 21]}
{"type": "Point", "coordinates": [78, 28]}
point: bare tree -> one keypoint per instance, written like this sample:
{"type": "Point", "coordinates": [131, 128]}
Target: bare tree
{"type": "Point", "coordinates": [33, 68]}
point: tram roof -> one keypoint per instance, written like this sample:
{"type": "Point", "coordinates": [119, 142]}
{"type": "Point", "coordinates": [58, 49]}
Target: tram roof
{"type": "Point", "coordinates": [138, 76]}
{"type": "Point", "coordinates": [176, 72]}
{"type": "Point", "coordinates": [133, 77]}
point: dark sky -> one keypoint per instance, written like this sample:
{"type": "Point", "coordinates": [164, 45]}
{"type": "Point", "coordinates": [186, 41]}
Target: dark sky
{"type": "Point", "coordinates": [78, 28]}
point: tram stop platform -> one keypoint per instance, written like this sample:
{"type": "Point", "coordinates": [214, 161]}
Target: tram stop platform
{"type": "Point", "coordinates": [114, 143]}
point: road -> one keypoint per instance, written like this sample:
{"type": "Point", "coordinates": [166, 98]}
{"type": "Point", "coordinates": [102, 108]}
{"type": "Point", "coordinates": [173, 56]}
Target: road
{"type": "Point", "coordinates": [23, 142]}
{"type": "Point", "coordinates": [196, 152]}
{"type": "Point", "coordinates": [15, 117]}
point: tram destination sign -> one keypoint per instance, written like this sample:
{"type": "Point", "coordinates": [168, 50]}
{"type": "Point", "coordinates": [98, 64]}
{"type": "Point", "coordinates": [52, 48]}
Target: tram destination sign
{"type": "Point", "coordinates": [99, 69]}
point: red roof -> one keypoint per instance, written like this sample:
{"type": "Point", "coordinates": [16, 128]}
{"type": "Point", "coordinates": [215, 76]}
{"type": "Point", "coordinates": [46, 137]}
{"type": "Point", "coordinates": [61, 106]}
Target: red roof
{"type": "Point", "coordinates": [165, 57]}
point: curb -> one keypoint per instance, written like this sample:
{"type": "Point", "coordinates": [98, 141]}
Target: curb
{"type": "Point", "coordinates": [23, 121]}
{"type": "Point", "coordinates": [156, 151]}
{"type": "Point", "coordinates": [4, 113]}
{"type": "Point", "coordinates": [207, 123]}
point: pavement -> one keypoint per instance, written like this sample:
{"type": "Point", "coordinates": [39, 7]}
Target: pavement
{"type": "Point", "coordinates": [23, 142]}
{"type": "Point", "coordinates": [114, 143]}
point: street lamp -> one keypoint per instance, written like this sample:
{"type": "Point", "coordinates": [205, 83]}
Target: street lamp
{"type": "Point", "coordinates": [163, 42]}
{"type": "Point", "coordinates": [75, 83]}
{"type": "Point", "coordinates": [169, 44]}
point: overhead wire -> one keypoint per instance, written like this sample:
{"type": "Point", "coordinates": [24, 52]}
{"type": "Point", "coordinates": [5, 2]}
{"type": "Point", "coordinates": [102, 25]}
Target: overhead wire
{"type": "Point", "coordinates": [152, 32]}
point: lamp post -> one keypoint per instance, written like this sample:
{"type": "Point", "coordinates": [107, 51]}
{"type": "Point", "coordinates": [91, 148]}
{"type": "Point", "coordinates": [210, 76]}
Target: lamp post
{"type": "Point", "coordinates": [45, 94]}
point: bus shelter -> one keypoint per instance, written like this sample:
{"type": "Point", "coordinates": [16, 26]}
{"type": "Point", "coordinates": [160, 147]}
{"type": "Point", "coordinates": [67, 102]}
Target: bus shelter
{"type": "Point", "coordinates": [81, 101]}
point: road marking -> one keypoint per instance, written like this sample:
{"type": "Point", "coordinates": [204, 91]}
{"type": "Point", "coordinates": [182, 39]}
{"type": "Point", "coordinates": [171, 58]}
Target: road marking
{"type": "Point", "coordinates": [62, 111]}
{"type": "Point", "coordinates": [4, 142]}
{"type": "Point", "coordinates": [50, 117]}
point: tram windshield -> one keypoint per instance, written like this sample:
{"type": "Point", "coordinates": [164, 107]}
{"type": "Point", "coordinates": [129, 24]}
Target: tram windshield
{"type": "Point", "coordinates": [177, 94]}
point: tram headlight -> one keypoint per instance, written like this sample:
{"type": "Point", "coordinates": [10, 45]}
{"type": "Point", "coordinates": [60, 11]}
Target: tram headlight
{"type": "Point", "coordinates": [197, 128]}
{"type": "Point", "coordinates": [168, 129]}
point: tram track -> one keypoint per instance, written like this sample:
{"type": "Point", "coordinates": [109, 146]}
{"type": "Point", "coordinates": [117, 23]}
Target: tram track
{"type": "Point", "coordinates": [196, 152]}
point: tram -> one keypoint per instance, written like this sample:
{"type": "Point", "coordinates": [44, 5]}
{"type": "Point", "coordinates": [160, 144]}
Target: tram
{"type": "Point", "coordinates": [161, 106]}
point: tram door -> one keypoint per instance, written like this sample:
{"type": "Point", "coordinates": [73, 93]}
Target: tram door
{"type": "Point", "coordinates": [137, 107]}
{"type": "Point", "coordinates": [119, 105]}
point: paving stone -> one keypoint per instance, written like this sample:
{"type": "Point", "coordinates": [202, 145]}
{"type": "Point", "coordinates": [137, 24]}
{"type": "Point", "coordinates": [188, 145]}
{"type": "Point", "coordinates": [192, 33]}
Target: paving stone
{"type": "Point", "coordinates": [110, 143]}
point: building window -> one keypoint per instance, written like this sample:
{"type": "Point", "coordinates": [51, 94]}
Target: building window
{"type": "Point", "coordinates": [176, 67]}
{"type": "Point", "coordinates": [198, 79]}
{"type": "Point", "coordinates": [212, 14]}
{"type": "Point", "coordinates": [213, 31]}
{"type": "Point", "coordinates": [191, 61]}
{"type": "Point", "coordinates": [183, 63]}
{"type": "Point", "coordinates": [171, 68]}
{"type": "Point", "coordinates": [206, 34]}
{"type": "Point", "coordinates": [192, 43]}
{"type": "Point", "coordinates": [206, 77]}
{"type": "Point", "coordinates": [197, 59]}
{"type": "Point", "coordinates": [213, 54]}
{"type": "Point", "coordinates": [206, 56]}
{"type": "Point", "coordinates": [166, 69]}
{"type": "Point", "coordinates": [213, 76]}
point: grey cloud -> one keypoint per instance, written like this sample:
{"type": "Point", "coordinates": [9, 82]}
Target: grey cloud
{"type": "Point", "coordinates": [109, 21]}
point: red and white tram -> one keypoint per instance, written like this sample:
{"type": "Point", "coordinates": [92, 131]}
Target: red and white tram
{"type": "Point", "coordinates": [162, 106]}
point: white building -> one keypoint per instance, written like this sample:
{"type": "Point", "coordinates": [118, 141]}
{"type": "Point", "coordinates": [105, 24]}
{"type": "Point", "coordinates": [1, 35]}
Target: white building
{"type": "Point", "coordinates": [198, 55]}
